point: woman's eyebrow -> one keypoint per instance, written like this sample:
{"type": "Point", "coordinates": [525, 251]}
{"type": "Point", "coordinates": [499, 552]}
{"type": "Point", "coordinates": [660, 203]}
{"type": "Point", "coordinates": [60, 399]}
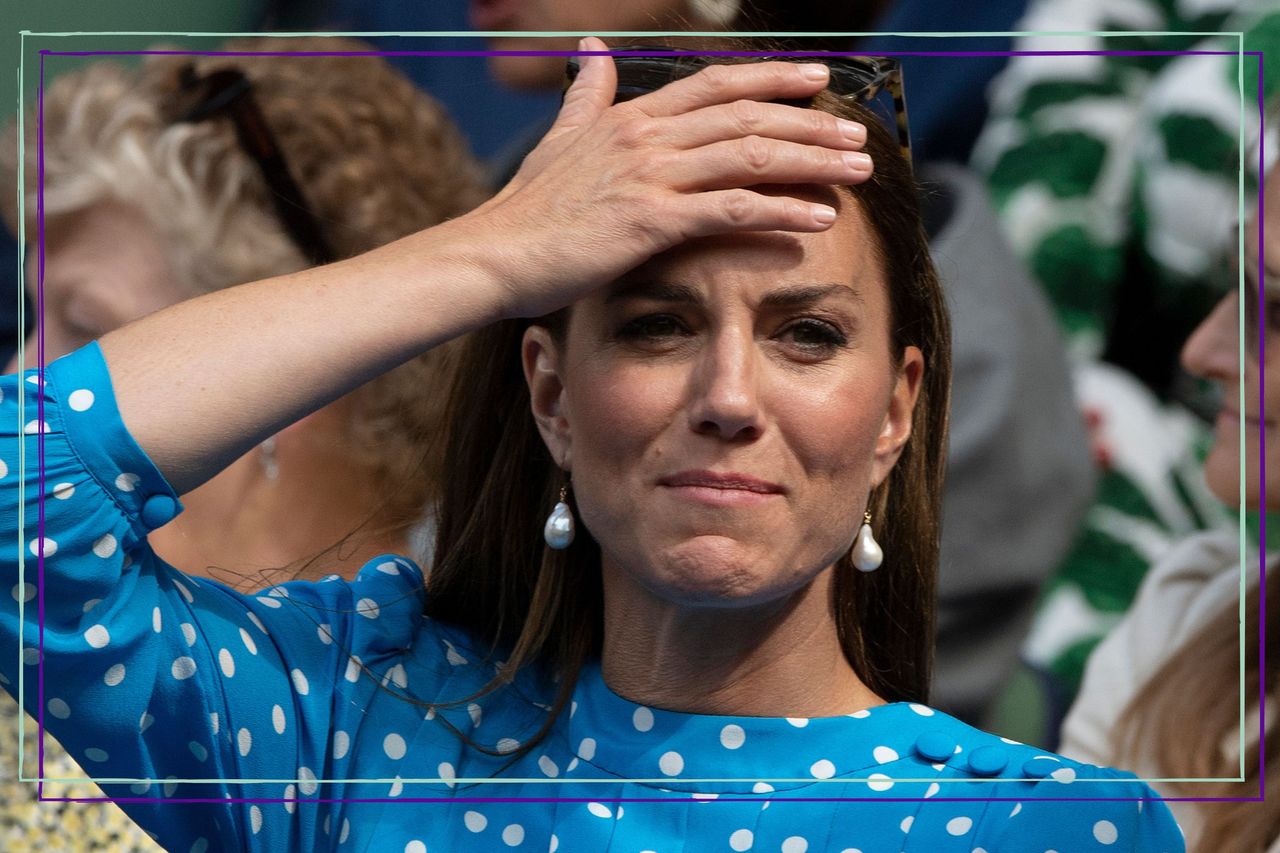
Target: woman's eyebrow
{"type": "Point", "coordinates": [655, 291]}
{"type": "Point", "coordinates": [800, 295]}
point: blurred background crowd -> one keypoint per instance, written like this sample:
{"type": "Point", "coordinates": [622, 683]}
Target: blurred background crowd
{"type": "Point", "coordinates": [1084, 211]}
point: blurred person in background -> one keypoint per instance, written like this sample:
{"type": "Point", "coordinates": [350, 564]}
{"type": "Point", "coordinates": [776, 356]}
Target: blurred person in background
{"type": "Point", "coordinates": [1162, 693]}
{"type": "Point", "coordinates": [159, 185]}
{"type": "Point", "coordinates": [1117, 180]}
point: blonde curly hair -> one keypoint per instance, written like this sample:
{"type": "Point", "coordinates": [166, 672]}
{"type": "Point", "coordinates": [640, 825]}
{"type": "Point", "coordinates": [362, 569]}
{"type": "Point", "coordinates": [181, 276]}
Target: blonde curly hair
{"type": "Point", "coordinates": [375, 158]}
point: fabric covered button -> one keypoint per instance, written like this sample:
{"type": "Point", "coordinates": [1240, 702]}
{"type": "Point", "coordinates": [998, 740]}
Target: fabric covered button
{"type": "Point", "coordinates": [936, 746]}
{"type": "Point", "coordinates": [988, 760]}
{"type": "Point", "coordinates": [1040, 767]}
{"type": "Point", "coordinates": [158, 510]}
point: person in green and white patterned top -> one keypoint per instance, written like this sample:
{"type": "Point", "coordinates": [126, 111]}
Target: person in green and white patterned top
{"type": "Point", "coordinates": [1116, 178]}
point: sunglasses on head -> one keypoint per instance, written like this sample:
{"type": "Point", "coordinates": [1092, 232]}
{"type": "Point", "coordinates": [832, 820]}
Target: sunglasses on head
{"type": "Point", "coordinates": [645, 68]}
{"type": "Point", "coordinates": [229, 92]}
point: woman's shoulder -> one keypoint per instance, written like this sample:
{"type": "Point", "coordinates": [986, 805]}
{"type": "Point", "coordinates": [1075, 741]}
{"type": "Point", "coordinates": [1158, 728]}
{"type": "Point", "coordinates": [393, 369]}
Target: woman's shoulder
{"type": "Point", "coordinates": [1034, 794]}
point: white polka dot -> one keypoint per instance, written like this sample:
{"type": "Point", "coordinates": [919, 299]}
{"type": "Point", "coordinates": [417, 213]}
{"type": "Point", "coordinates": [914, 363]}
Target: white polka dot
{"type": "Point", "coordinates": [922, 710]}
{"type": "Point", "coordinates": [140, 788]}
{"type": "Point", "coordinates": [325, 633]}
{"type": "Point", "coordinates": [90, 604]}
{"type": "Point", "coordinates": [214, 723]}
{"type": "Point", "coordinates": [761, 788]}
{"type": "Point", "coordinates": [885, 754]}
{"type": "Point", "coordinates": [307, 781]}
{"type": "Point", "coordinates": [507, 745]}
{"type": "Point", "coordinates": [697, 795]}
{"type": "Point", "coordinates": [59, 709]}
{"type": "Point", "coordinates": [1065, 775]}
{"type": "Point", "coordinates": [397, 788]}
{"type": "Point", "coordinates": [475, 821]}
{"type": "Point", "coordinates": [959, 825]}
{"type": "Point", "coordinates": [201, 845]}
{"type": "Point", "coordinates": [513, 835]}
{"type": "Point", "coordinates": [169, 787]}
{"type": "Point", "coordinates": [473, 711]}
{"type": "Point", "coordinates": [244, 740]}
{"type": "Point", "coordinates": [587, 749]}
{"type": "Point", "coordinates": [127, 482]}
{"type": "Point", "coordinates": [23, 592]}
{"type": "Point", "coordinates": [879, 782]}
{"type": "Point", "coordinates": [95, 754]}
{"type": "Point", "coordinates": [795, 844]}
{"type": "Point", "coordinates": [290, 796]}
{"type": "Point", "coordinates": [278, 592]}
{"type": "Point", "coordinates": [822, 769]}
{"type": "Point", "coordinates": [277, 719]}
{"type": "Point", "coordinates": [157, 621]}
{"type": "Point", "coordinates": [354, 667]}
{"type": "Point", "coordinates": [341, 743]}
{"type": "Point", "coordinates": [1017, 808]}
{"type": "Point", "coordinates": [97, 637]}
{"type": "Point", "coordinates": [227, 662]}
{"type": "Point", "coordinates": [273, 603]}
{"type": "Point", "coordinates": [798, 722]}
{"type": "Point", "coordinates": [548, 767]}
{"type": "Point", "coordinates": [446, 773]}
{"type": "Point", "coordinates": [642, 719]}
{"type": "Point", "coordinates": [80, 400]}
{"type": "Point", "coordinates": [934, 788]}
{"type": "Point", "coordinates": [732, 736]}
{"type": "Point", "coordinates": [394, 746]}
{"type": "Point", "coordinates": [346, 831]}
{"type": "Point", "coordinates": [389, 568]}
{"type": "Point", "coordinates": [255, 819]}
{"type": "Point", "coordinates": [183, 668]}
{"type": "Point", "coordinates": [253, 617]}
{"type": "Point", "coordinates": [33, 426]}
{"type": "Point", "coordinates": [555, 845]}
{"type": "Point", "coordinates": [368, 608]}
{"type": "Point", "coordinates": [451, 655]}
{"type": "Point", "coordinates": [1105, 832]}
{"type": "Point", "coordinates": [4, 469]}
{"type": "Point", "coordinates": [114, 675]}
{"type": "Point", "coordinates": [905, 826]}
{"type": "Point", "coordinates": [198, 750]}
{"type": "Point", "coordinates": [43, 547]}
{"type": "Point", "coordinates": [31, 656]}
{"type": "Point", "coordinates": [599, 810]}
{"type": "Point", "coordinates": [671, 763]}
{"type": "Point", "coordinates": [1013, 742]}
{"type": "Point", "coordinates": [415, 846]}
{"type": "Point", "coordinates": [144, 722]}
{"type": "Point", "coordinates": [861, 715]}
{"type": "Point", "coordinates": [742, 840]}
{"type": "Point", "coordinates": [188, 633]}
{"type": "Point", "coordinates": [62, 491]}
{"type": "Point", "coordinates": [300, 685]}
{"type": "Point", "coordinates": [248, 642]}
{"type": "Point", "coordinates": [105, 546]}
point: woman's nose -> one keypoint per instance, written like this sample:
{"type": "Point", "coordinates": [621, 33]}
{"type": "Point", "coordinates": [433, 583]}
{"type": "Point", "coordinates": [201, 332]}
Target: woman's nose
{"type": "Point", "coordinates": [725, 400]}
{"type": "Point", "coordinates": [1213, 350]}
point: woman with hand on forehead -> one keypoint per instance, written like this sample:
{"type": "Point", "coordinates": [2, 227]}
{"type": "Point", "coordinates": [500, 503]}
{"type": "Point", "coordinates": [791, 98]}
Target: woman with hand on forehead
{"type": "Point", "coordinates": [657, 573]}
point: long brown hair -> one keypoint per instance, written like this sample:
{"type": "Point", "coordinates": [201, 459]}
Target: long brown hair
{"type": "Point", "coordinates": [1188, 709]}
{"type": "Point", "coordinates": [494, 576]}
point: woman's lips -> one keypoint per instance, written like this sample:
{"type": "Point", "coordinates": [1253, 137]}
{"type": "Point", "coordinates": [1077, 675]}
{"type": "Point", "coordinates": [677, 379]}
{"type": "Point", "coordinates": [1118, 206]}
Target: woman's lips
{"type": "Point", "coordinates": [493, 14]}
{"type": "Point", "coordinates": [724, 489]}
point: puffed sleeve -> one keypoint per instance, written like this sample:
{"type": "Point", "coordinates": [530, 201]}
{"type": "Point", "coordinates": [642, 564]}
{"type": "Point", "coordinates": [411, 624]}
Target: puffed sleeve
{"type": "Point", "coordinates": [146, 675]}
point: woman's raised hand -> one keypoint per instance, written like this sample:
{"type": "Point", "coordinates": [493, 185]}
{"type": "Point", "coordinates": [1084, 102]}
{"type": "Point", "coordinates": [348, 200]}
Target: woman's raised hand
{"type": "Point", "coordinates": [611, 185]}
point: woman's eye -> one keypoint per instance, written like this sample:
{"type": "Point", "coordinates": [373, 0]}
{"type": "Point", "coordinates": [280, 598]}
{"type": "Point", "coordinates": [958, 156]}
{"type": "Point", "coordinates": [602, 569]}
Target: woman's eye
{"type": "Point", "coordinates": [652, 327]}
{"type": "Point", "coordinates": [817, 336]}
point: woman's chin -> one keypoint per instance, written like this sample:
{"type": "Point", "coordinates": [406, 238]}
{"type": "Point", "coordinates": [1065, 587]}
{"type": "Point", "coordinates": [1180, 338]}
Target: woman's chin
{"type": "Point", "coordinates": [718, 571]}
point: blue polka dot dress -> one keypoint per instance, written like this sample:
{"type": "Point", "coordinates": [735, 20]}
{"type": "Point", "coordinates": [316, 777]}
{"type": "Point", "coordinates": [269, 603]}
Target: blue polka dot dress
{"type": "Point", "coordinates": [296, 718]}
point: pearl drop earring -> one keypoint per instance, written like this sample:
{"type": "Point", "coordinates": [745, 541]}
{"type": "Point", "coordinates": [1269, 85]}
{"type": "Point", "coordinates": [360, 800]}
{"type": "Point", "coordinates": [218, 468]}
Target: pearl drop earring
{"type": "Point", "coordinates": [867, 554]}
{"type": "Point", "coordinates": [558, 531]}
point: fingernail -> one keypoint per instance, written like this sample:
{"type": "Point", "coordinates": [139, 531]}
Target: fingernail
{"type": "Point", "coordinates": [582, 45]}
{"type": "Point", "coordinates": [857, 160]}
{"type": "Point", "coordinates": [814, 71]}
{"type": "Point", "coordinates": [852, 130]}
{"type": "Point", "coordinates": [823, 214]}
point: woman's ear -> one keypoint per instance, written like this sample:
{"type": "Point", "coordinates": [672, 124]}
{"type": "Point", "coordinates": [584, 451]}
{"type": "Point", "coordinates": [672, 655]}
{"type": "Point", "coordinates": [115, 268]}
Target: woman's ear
{"type": "Point", "coordinates": [540, 356]}
{"type": "Point", "coordinates": [896, 428]}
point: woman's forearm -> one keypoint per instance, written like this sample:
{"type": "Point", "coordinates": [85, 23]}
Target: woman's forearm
{"type": "Point", "coordinates": [200, 383]}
